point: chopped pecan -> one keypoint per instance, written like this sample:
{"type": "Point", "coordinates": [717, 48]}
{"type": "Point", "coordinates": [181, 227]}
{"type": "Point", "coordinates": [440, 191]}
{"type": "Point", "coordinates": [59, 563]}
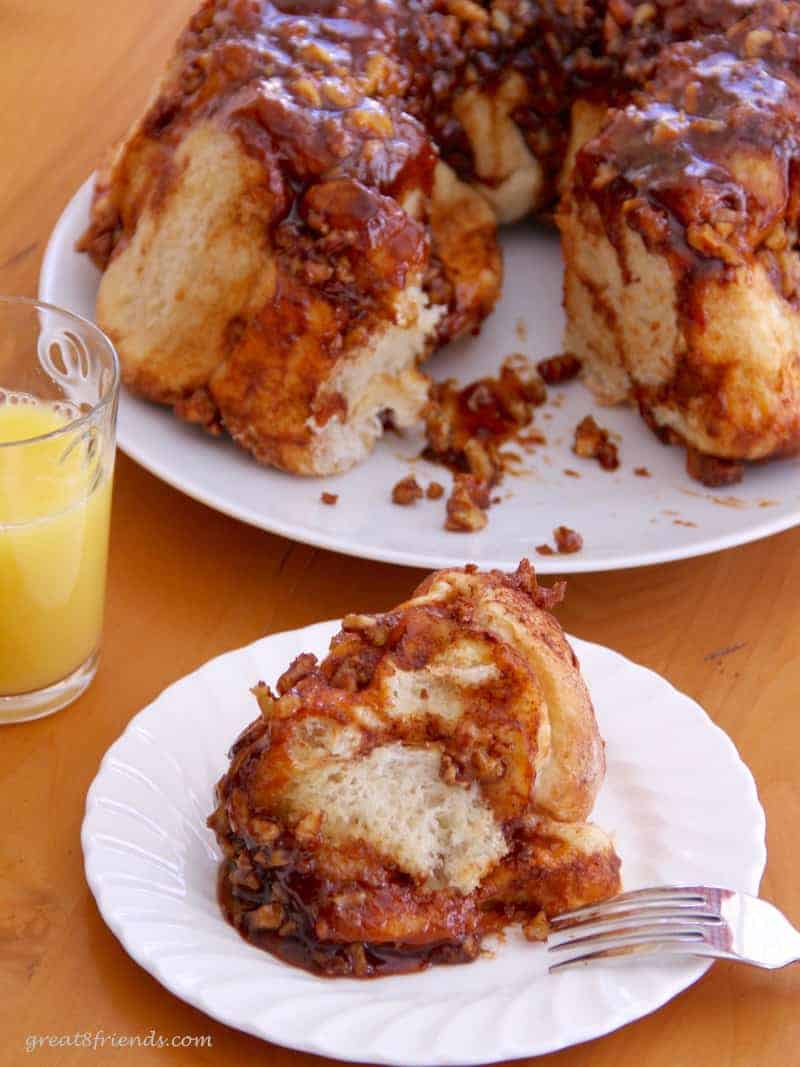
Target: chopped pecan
{"type": "Point", "coordinates": [604, 175]}
{"type": "Point", "coordinates": [567, 540]}
{"type": "Point", "coordinates": [299, 668]}
{"type": "Point", "coordinates": [756, 43]}
{"type": "Point", "coordinates": [467, 504]}
{"type": "Point", "coordinates": [244, 879]}
{"type": "Point", "coordinates": [543, 596]}
{"type": "Point", "coordinates": [452, 773]}
{"type": "Point", "coordinates": [500, 21]}
{"type": "Point", "coordinates": [371, 120]}
{"type": "Point", "coordinates": [621, 12]}
{"type": "Point", "coordinates": [777, 239]}
{"type": "Point", "coordinates": [287, 705]}
{"type": "Point", "coordinates": [644, 13]}
{"type": "Point", "coordinates": [265, 698]}
{"type": "Point", "coordinates": [407, 491]}
{"type": "Point", "coordinates": [664, 132]}
{"type": "Point", "coordinates": [536, 928]}
{"type": "Point", "coordinates": [467, 10]}
{"type": "Point", "coordinates": [279, 857]}
{"type": "Point", "coordinates": [708, 241]}
{"type": "Point", "coordinates": [352, 669]}
{"type": "Point", "coordinates": [308, 827]}
{"type": "Point", "coordinates": [264, 830]}
{"type": "Point", "coordinates": [307, 91]}
{"type": "Point", "coordinates": [351, 898]}
{"type": "Point", "coordinates": [267, 917]}
{"type": "Point", "coordinates": [373, 629]}
{"type": "Point", "coordinates": [561, 368]}
{"type": "Point", "coordinates": [592, 442]}
{"type": "Point", "coordinates": [488, 768]}
{"type": "Point", "coordinates": [479, 461]}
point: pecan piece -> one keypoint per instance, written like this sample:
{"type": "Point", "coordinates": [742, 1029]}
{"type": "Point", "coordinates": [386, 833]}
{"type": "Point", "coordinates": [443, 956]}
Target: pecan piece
{"type": "Point", "coordinates": [407, 491]}
{"type": "Point", "coordinates": [536, 928]}
{"type": "Point", "coordinates": [267, 917]}
{"type": "Point", "coordinates": [561, 368]}
{"type": "Point", "coordinates": [298, 669]}
{"type": "Point", "coordinates": [567, 540]}
{"type": "Point", "coordinates": [467, 504]}
{"type": "Point", "coordinates": [593, 442]}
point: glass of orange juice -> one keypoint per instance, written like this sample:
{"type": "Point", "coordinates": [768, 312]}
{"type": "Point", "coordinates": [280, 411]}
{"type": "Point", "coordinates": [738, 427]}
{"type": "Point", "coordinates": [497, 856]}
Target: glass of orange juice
{"type": "Point", "coordinates": [59, 386]}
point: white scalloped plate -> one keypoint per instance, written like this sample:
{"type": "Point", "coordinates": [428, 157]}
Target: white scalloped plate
{"type": "Point", "coordinates": [680, 802]}
{"type": "Point", "coordinates": [625, 520]}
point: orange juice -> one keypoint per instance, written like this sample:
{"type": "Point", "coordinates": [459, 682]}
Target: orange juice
{"type": "Point", "coordinates": [54, 516]}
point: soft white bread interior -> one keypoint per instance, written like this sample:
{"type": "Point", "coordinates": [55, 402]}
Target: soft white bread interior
{"type": "Point", "coordinates": [394, 798]}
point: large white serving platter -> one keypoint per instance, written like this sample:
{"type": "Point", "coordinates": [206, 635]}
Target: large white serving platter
{"type": "Point", "coordinates": [625, 520]}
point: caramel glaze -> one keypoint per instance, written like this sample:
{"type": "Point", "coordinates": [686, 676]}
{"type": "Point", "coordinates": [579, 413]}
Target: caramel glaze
{"type": "Point", "coordinates": [363, 89]}
{"type": "Point", "coordinates": [299, 891]}
{"type": "Point", "coordinates": [320, 934]}
{"type": "Point", "coordinates": [309, 903]}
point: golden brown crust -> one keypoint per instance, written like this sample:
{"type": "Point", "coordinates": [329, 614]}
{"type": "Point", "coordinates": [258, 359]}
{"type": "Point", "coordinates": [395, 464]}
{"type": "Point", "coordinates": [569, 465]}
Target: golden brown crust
{"type": "Point", "coordinates": [470, 693]}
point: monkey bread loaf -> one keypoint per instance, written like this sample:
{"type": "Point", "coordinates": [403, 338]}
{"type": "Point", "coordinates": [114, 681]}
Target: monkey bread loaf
{"type": "Point", "coordinates": [308, 208]}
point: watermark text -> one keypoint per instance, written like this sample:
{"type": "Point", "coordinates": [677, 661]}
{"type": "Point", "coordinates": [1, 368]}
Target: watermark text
{"type": "Point", "coordinates": [94, 1040]}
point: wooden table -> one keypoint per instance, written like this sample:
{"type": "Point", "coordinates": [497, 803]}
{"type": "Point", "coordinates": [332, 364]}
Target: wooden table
{"type": "Point", "coordinates": [726, 629]}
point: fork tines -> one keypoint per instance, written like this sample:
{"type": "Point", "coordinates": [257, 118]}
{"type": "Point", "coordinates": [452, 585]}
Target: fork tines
{"type": "Point", "coordinates": [666, 918]}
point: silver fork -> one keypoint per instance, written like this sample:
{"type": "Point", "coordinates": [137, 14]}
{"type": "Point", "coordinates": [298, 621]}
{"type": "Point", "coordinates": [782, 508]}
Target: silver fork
{"type": "Point", "coordinates": [692, 920]}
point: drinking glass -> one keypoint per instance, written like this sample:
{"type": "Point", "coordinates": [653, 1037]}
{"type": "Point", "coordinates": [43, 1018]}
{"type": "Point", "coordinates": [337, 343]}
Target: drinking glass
{"type": "Point", "coordinates": [59, 387]}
